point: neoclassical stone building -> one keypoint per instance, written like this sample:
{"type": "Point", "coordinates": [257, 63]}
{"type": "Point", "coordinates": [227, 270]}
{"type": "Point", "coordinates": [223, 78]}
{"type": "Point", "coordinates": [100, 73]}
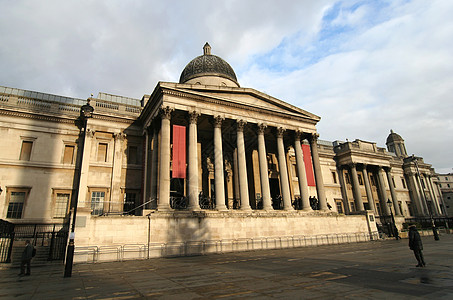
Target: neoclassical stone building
{"type": "Point", "coordinates": [202, 165]}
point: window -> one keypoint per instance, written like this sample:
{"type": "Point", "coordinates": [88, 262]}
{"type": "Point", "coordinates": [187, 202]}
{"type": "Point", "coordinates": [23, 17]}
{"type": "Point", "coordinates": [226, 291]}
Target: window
{"type": "Point", "coordinates": [347, 178]}
{"type": "Point", "coordinates": [68, 155]}
{"type": "Point", "coordinates": [97, 203]}
{"type": "Point", "coordinates": [130, 203]}
{"type": "Point", "coordinates": [373, 180]}
{"type": "Point", "coordinates": [422, 180]}
{"type": "Point", "coordinates": [403, 182]}
{"type": "Point", "coordinates": [448, 185]}
{"type": "Point", "coordinates": [410, 208]}
{"type": "Point", "coordinates": [102, 152]}
{"type": "Point", "coordinates": [334, 176]}
{"type": "Point", "coordinates": [378, 208]}
{"type": "Point", "coordinates": [393, 182]}
{"type": "Point", "coordinates": [400, 206]}
{"type": "Point", "coordinates": [360, 179]}
{"type": "Point", "coordinates": [339, 204]}
{"type": "Point", "coordinates": [25, 151]}
{"type": "Point", "coordinates": [132, 155]}
{"type": "Point", "coordinates": [16, 204]}
{"type": "Point", "coordinates": [352, 205]}
{"type": "Point", "coordinates": [61, 205]}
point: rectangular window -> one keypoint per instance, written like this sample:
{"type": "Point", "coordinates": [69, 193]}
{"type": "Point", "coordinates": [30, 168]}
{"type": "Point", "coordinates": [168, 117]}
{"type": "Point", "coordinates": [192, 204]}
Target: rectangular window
{"type": "Point", "coordinates": [410, 208]}
{"type": "Point", "coordinates": [25, 151]}
{"type": "Point", "coordinates": [378, 208]}
{"type": "Point", "coordinates": [373, 180]}
{"type": "Point", "coordinates": [16, 205]}
{"type": "Point", "coordinates": [347, 178]}
{"type": "Point", "coordinates": [61, 205]}
{"type": "Point", "coordinates": [334, 176]}
{"type": "Point", "coordinates": [403, 182]}
{"type": "Point", "coordinates": [422, 180]}
{"type": "Point", "coordinates": [352, 205]}
{"type": "Point", "coordinates": [339, 204]}
{"type": "Point", "coordinates": [129, 203]}
{"type": "Point", "coordinates": [393, 182]}
{"type": "Point", "coordinates": [360, 179]}
{"type": "Point", "coordinates": [102, 152]}
{"type": "Point", "coordinates": [68, 156]}
{"type": "Point", "coordinates": [97, 203]}
{"type": "Point", "coordinates": [132, 155]}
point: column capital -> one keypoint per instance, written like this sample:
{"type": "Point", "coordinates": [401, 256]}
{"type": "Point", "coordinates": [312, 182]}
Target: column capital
{"type": "Point", "coordinates": [365, 165]}
{"type": "Point", "coordinates": [261, 128]}
{"type": "Point", "coordinates": [119, 136]}
{"type": "Point", "coordinates": [313, 137]}
{"type": "Point", "coordinates": [280, 131]}
{"type": "Point", "coordinates": [218, 121]}
{"type": "Point", "coordinates": [241, 124]}
{"type": "Point", "coordinates": [299, 135]}
{"type": "Point", "coordinates": [90, 132]}
{"type": "Point", "coordinates": [352, 165]}
{"type": "Point", "coordinates": [193, 117]}
{"type": "Point", "coordinates": [165, 112]}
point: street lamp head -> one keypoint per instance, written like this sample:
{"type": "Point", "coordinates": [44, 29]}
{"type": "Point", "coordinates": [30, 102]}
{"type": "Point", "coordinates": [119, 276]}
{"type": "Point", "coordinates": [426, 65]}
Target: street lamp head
{"type": "Point", "coordinates": [86, 111]}
{"type": "Point", "coordinates": [389, 202]}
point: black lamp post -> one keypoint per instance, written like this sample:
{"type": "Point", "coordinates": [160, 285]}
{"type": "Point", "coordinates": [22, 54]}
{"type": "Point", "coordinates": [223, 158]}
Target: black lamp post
{"type": "Point", "coordinates": [86, 112]}
{"type": "Point", "coordinates": [433, 225]}
{"type": "Point", "coordinates": [394, 230]}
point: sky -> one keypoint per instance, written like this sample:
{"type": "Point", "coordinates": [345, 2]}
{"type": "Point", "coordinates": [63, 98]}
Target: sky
{"type": "Point", "coordinates": [364, 67]}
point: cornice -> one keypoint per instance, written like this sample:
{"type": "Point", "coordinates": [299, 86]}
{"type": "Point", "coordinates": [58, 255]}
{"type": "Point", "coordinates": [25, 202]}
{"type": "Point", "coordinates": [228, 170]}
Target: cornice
{"type": "Point", "coordinates": [27, 115]}
{"type": "Point", "coordinates": [212, 100]}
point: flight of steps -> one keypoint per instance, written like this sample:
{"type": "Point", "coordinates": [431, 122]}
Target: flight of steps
{"type": "Point", "coordinates": [40, 259]}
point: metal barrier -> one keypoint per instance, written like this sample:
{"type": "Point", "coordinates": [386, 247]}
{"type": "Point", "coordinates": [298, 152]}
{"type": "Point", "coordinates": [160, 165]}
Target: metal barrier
{"type": "Point", "coordinates": [94, 254]}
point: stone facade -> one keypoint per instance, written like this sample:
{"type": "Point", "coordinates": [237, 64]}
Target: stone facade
{"type": "Point", "coordinates": [252, 166]}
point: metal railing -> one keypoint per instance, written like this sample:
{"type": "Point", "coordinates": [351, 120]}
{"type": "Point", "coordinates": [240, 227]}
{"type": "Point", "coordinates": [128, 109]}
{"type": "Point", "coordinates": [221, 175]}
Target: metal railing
{"type": "Point", "coordinates": [93, 254]}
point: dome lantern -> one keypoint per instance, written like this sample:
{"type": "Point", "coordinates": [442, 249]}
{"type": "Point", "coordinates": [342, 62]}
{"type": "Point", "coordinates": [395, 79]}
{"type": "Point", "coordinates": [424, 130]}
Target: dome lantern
{"type": "Point", "coordinates": [208, 69]}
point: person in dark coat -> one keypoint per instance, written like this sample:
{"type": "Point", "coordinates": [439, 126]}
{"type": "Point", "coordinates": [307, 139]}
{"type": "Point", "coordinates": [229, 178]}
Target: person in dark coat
{"type": "Point", "coordinates": [26, 258]}
{"type": "Point", "coordinates": [415, 244]}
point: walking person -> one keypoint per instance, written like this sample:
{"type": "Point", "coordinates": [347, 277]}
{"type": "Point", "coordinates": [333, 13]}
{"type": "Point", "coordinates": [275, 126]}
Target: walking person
{"type": "Point", "coordinates": [26, 258]}
{"type": "Point", "coordinates": [415, 244]}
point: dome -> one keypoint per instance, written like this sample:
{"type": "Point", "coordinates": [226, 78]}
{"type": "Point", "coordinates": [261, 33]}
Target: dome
{"type": "Point", "coordinates": [393, 137]}
{"type": "Point", "coordinates": [209, 69]}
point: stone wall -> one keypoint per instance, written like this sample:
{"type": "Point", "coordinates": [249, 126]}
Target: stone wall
{"type": "Point", "coordinates": [188, 233]}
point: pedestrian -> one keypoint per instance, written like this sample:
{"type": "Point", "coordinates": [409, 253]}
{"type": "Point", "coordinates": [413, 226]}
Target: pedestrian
{"type": "Point", "coordinates": [415, 244]}
{"type": "Point", "coordinates": [26, 258]}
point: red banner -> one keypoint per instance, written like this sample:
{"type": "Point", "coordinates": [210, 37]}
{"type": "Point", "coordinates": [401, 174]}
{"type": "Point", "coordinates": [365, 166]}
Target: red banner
{"type": "Point", "coordinates": [308, 165]}
{"type": "Point", "coordinates": [179, 152]}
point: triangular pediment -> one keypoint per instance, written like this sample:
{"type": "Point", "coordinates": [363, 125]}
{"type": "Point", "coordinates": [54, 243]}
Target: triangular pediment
{"type": "Point", "coordinates": [246, 97]}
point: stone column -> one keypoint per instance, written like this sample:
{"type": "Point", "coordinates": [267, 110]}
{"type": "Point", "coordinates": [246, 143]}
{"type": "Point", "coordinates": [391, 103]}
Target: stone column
{"type": "Point", "coordinates": [318, 172]}
{"type": "Point", "coordinates": [242, 166]}
{"type": "Point", "coordinates": [422, 194]}
{"type": "Point", "coordinates": [369, 194]}
{"type": "Point", "coordinates": [383, 192]}
{"type": "Point", "coordinates": [115, 183]}
{"type": "Point", "coordinates": [356, 188]}
{"type": "Point", "coordinates": [393, 193]}
{"type": "Point", "coordinates": [264, 172]}
{"type": "Point", "coordinates": [145, 170]}
{"type": "Point", "coordinates": [284, 181]}
{"type": "Point", "coordinates": [164, 163]}
{"type": "Point", "coordinates": [193, 162]}
{"type": "Point", "coordinates": [413, 190]}
{"type": "Point", "coordinates": [344, 189]}
{"type": "Point", "coordinates": [433, 196]}
{"type": "Point", "coordinates": [218, 165]}
{"type": "Point", "coordinates": [302, 176]}
{"type": "Point", "coordinates": [154, 169]}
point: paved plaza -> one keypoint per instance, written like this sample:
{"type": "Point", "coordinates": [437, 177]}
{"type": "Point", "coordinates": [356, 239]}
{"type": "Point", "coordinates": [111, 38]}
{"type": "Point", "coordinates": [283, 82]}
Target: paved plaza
{"type": "Point", "coordinates": [372, 270]}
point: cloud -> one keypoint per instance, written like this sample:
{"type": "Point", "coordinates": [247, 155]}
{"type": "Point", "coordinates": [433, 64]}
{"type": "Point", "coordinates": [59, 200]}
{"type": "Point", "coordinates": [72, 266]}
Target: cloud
{"type": "Point", "coordinates": [365, 67]}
